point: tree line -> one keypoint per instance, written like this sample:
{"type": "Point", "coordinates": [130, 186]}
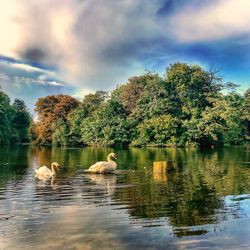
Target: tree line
{"type": "Point", "coordinates": [15, 121]}
{"type": "Point", "coordinates": [187, 106]}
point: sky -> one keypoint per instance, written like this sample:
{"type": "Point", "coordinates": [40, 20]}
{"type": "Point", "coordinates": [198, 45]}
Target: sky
{"type": "Point", "coordinates": [76, 47]}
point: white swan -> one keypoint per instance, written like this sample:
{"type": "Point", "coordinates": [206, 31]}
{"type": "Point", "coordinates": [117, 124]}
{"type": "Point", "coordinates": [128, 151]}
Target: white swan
{"type": "Point", "coordinates": [44, 172]}
{"type": "Point", "coordinates": [104, 167]}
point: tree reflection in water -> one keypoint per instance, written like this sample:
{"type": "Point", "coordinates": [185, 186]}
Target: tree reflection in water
{"type": "Point", "coordinates": [192, 196]}
{"type": "Point", "coordinates": [188, 199]}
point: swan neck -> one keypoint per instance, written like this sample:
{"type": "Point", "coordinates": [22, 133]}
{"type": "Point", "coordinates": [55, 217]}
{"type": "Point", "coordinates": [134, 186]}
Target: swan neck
{"type": "Point", "coordinates": [53, 169]}
{"type": "Point", "coordinates": [110, 159]}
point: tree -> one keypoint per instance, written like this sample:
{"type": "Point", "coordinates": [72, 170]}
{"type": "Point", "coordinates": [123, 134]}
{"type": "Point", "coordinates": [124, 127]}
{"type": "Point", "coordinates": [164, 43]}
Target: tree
{"type": "Point", "coordinates": [107, 125]}
{"type": "Point", "coordinates": [185, 107]}
{"type": "Point", "coordinates": [33, 131]}
{"type": "Point", "coordinates": [50, 109]}
{"type": "Point", "coordinates": [156, 100]}
{"type": "Point", "coordinates": [61, 135]}
{"type": "Point", "coordinates": [218, 123]}
{"type": "Point", "coordinates": [192, 86]}
{"type": "Point", "coordinates": [14, 120]}
{"type": "Point", "coordinates": [246, 112]}
{"type": "Point", "coordinates": [129, 94]}
{"type": "Point", "coordinates": [235, 131]}
{"type": "Point", "coordinates": [6, 113]}
{"type": "Point", "coordinates": [158, 130]}
{"type": "Point", "coordinates": [21, 121]}
{"type": "Point", "coordinates": [89, 104]}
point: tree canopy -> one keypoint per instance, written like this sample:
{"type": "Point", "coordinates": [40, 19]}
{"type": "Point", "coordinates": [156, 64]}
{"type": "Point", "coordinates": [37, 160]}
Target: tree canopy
{"type": "Point", "coordinates": [15, 120]}
{"type": "Point", "coordinates": [52, 110]}
{"type": "Point", "coordinates": [185, 107]}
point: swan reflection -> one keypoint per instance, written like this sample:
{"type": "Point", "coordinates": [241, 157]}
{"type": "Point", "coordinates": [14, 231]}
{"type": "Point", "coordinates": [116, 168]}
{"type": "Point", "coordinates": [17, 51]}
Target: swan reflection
{"type": "Point", "coordinates": [51, 180]}
{"type": "Point", "coordinates": [106, 182]}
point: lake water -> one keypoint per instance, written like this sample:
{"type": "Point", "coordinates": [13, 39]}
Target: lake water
{"type": "Point", "coordinates": [203, 203]}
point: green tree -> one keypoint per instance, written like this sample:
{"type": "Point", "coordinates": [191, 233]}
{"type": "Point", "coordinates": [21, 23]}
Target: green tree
{"type": "Point", "coordinates": [89, 104]}
{"type": "Point", "coordinates": [159, 130]}
{"type": "Point", "coordinates": [246, 112]}
{"type": "Point", "coordinates": [107, 125]}
{"type": "Point", "coordinates": [14, 120]}
{"type": "Point", "coordinates": [156, 100]}
{"type": "Point", "coordinates": [185, 107]}
{"type": "Point", "coordinates": [21, 121]}
{"type": "Point", "coordinates": [6, 114]}
{"type": "Point", "coordinates": [61, 134]}
{"type": "Point", "coordinates": [129, 94]}
{"type": "Point", "coordinates": [192, 85]}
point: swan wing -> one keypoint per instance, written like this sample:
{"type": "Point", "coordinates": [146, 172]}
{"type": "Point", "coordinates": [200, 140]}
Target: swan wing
{"type": "Point", "coordinates": [43, 171]}
{"type": "Point", "coordinates": [97, 165]}
{"type": "Point", "coordinates": [103, 167]}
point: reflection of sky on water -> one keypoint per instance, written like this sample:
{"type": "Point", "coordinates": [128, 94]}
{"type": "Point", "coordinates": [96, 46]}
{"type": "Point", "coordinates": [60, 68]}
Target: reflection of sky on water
{"type": "Point", "coordinates": [97, 212]}
{"type": "Point", "coordinates": [50, 217]}
{"type": "Point", "coordinates": [238, 206]}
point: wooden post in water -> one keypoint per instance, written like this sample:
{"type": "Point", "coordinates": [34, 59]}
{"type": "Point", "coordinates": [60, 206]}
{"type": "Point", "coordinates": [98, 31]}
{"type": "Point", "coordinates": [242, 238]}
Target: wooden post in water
{"type": "Point", "coordinates": [161, 168]}
{"type": "Point", "coordinates": [160, 171]}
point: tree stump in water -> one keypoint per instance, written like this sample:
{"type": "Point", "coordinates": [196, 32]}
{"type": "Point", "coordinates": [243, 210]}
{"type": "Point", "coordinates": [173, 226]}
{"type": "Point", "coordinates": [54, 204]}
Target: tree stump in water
{"type": "Point", "coordinates": [164, 166]}
{"type": "Point", "coordinates": [161, 168]}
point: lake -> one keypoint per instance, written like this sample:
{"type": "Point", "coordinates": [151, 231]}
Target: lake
{"type": "Point", "coordinates": [203, 203]}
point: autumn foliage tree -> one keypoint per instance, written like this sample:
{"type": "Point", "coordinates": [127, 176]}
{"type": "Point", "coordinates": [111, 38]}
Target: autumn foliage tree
{"type": "Point", "coordinates": [50, 110]}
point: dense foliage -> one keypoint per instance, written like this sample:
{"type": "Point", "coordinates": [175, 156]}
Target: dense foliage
{"type": "Point", "coordinates": [52, 115]}
{"type": "Point", "coordinates": [188, 106]}
{"type": "Point", "coordinates": [15, 120]}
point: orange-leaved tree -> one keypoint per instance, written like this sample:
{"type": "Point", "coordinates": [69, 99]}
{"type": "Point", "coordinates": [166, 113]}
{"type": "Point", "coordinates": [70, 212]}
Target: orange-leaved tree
{"type": "Point", "coordinates": [50, 109]}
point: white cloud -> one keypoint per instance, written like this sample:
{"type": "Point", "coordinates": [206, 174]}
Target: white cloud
{"type": "Point", "coordinates": [27, 68]}
{"type": "Point", "coordinates": [21, 79]}
{"type": "Point", "coordinates": [54, 83]}
{"type": "Point", "coordinates": [20, 74]}
{"type": "Point", "coordinates": [217, 20]}
{"type": "Point", "coordinates": [96, 44]}
{"type": "Point", "coordinates": [10, 26]}
{"type": "Point", "coordinates": [4, 77]}
{"type": "Point", "coordinates": [93, 44]}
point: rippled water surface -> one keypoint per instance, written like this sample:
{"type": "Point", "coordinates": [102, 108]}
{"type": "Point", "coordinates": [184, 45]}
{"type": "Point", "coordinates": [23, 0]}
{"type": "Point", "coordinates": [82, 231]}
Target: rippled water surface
{"type": "Point", "coordinates": [203, 203]}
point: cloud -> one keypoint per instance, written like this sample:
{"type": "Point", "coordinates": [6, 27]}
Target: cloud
{"type": "Point", "coordinates": [92, 44]}
{"type": "Point", "coordinates": [17, 72]}
{"type": "Point", "coordinates": [216, 20]}
{"type": "Point", "coordinates": [97, 44]}
{"type": "Point", "coordinates": [28, 82]}
{"type": "Point", "coordinates": [28, 68]}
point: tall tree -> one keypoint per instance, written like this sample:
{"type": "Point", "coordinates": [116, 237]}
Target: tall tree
{"type": "Point", "coordinates": [89, 104]}
{"type": "Point", "coordinates": [129, 94]}
{"type": "Point", "coordinates": [6, 113]}
{"type": "Point", "coordinates": [21, 121]}
{"type": "Point", "coordinates": [14, 120]}
{"type": "Point", "coordinates": [192, 86]}
{"type": "Point", "coordinates": [108, 125]}
{"type": "Point", "coordinates": [246, 111]}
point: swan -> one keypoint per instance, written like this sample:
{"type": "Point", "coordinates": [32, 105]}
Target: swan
{"type": "Point", "coordinates": [44, 172]}
{"type": "Point", "coordinates": [104, 167]}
